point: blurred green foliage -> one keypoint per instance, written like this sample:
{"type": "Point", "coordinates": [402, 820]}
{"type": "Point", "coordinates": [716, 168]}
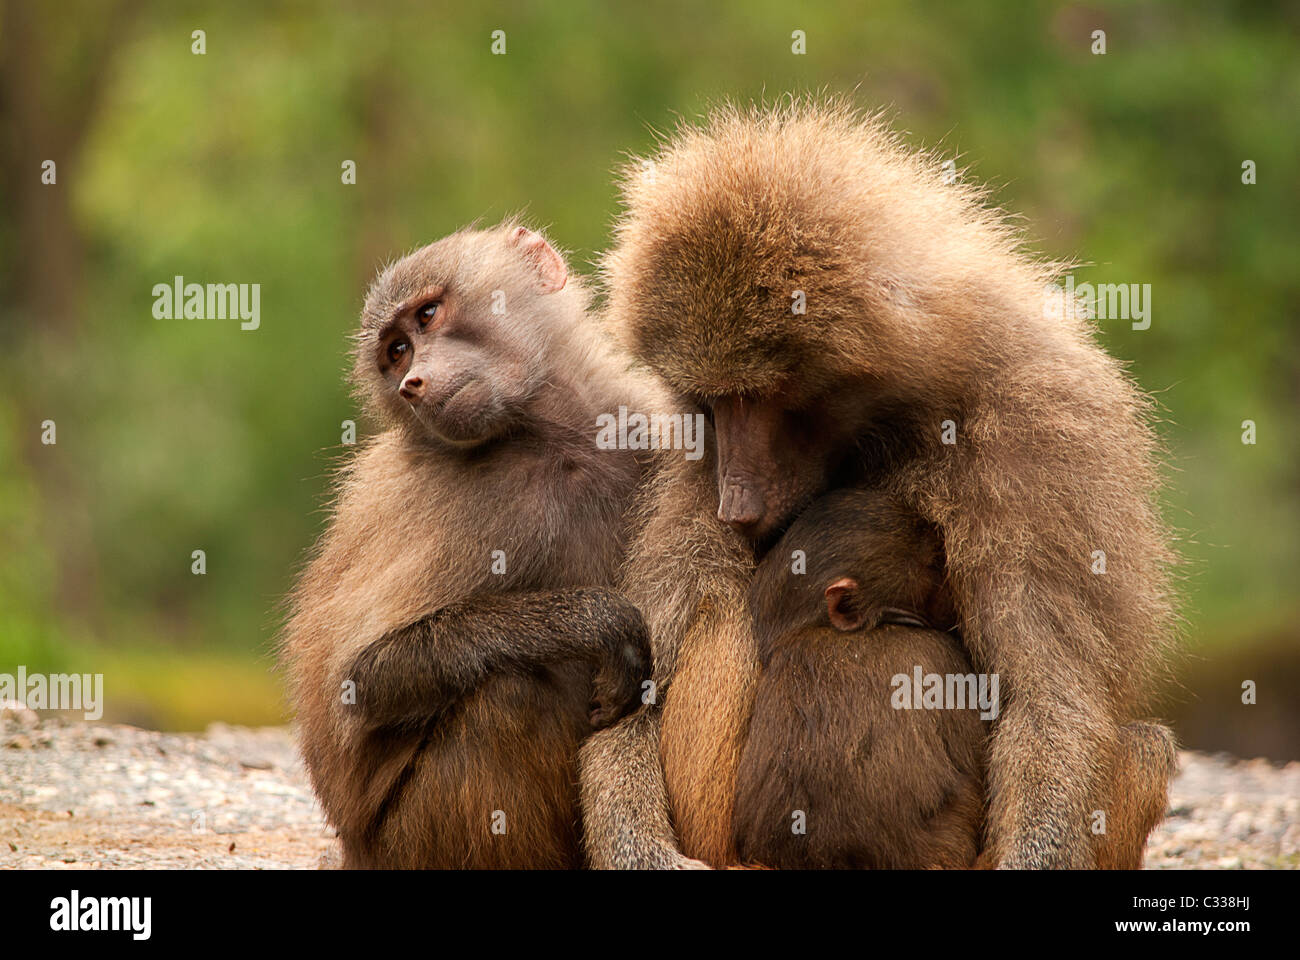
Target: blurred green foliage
{"type": "Point", "coordinates": [176, 435]}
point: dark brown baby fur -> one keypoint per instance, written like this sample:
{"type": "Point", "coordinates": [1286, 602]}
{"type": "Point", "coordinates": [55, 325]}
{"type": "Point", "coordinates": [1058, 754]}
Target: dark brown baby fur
{"type": "Point", "coordinates": [876, 786]}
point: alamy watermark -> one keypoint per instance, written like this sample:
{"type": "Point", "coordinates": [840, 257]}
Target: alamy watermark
{"type": "Point", "coordinates": [1102, 301]}
{"type": "Point", "coordinates": [946, 691]}
{"type": "Point", "coordinates": [75, 913]}
{"type": "Point", "coordinates": [655, 431]}
{"type": "Point", "coordinates": [213, 301]}
{"type": "Point", "coordinates": [55, 691]}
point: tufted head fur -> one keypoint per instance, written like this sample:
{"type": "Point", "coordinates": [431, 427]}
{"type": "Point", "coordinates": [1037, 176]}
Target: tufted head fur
{"type": "Point", "coordinates": [730, 221]}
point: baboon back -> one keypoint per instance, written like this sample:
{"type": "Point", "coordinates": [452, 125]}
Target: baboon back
{"type": "Point", "coordinates": [879, 787]}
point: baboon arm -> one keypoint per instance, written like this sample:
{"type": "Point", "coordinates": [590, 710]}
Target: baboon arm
{"type": "Point", "coordinates": [624, 802]}
{"type": "Point", "coordinates": [1037, 817]}
{"type": "Point", "coordinates": [417, 671]}
{"type": "Point", "coordinates": [1050, 748]}
{"type": "Point", "coordinates": [1041, 826]}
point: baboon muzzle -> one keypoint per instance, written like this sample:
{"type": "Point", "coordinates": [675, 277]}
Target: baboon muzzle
{"type": "Point", "coordinates": [745, 430]}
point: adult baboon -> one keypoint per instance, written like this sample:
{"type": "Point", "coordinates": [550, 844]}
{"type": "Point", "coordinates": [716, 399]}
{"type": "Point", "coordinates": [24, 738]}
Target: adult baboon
{"type": "Point", "coordinates": [841, 310]}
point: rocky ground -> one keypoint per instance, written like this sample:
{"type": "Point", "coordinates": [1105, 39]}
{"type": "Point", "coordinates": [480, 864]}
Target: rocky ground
{"type": "Point", "coordinates": [91, 795]}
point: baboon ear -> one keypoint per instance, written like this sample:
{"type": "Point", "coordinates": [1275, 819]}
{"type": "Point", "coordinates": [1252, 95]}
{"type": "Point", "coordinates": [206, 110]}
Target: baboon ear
{"type": "Point", "coordinates": [541, 256]}
{"type": "Point", "coordinates": [844, 606]}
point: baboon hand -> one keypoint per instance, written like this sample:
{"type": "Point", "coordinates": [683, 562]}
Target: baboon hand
{"type": "Point", "coordinates": [624, 667]}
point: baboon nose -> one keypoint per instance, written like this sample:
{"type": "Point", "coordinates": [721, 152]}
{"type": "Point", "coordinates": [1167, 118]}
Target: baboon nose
{"type": "Point", "coordinates": [412, 388]}
{"type": "Point", "coordinates": [740, 506]}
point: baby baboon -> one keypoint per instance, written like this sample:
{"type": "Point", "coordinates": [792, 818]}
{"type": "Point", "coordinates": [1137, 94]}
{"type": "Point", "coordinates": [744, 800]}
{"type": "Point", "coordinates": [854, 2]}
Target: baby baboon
{"type": "Point", "coordinates": [850, 316]}
{"type": "Point", "coordinates": [455, 624]}
{"type": "Point", "coordinates": [834, 772]}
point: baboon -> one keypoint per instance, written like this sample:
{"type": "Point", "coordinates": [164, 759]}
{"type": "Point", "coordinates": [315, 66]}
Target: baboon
{"type": "Point", "coordinates": [849, 315]}
{"type": "Point", "coordinates": [838, 770]}
{"type": "Point", "coordinates": [454, 636]}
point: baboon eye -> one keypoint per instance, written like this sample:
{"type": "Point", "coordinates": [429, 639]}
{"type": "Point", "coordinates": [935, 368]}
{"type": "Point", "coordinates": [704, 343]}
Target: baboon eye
{"type": "Point", "coordinates": [397, 350]}
{"type": "Point", "coordinates": [425, 313]}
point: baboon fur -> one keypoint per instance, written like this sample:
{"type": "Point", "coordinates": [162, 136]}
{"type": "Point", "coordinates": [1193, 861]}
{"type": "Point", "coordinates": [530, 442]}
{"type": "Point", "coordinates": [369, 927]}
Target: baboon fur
{"type": "Point", "coordinates": [414, 525]}
{"type": "Point", "coordinates": [921, 307]}
{"type": "Point", "coordinates": [877, 786]}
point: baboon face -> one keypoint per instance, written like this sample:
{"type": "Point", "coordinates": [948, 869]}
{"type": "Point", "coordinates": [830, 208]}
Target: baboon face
{"type": "Point", "coordinates": [708, 305]}
{"type": "Point", "coordinates": [457, 379]}
{"type": "Point", "coordinates": [777, 452]}
{"type": "Point", "coordinates": [453, 335]}
{"type": "Point", "coordinates": [736, 280]}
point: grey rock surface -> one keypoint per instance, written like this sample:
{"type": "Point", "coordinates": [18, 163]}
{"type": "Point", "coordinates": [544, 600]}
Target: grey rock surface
{"type": "Point", "coordinates": [77, 794]}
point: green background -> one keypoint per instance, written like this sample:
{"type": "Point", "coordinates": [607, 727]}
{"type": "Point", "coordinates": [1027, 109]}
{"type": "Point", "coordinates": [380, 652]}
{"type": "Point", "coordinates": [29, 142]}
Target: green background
{"type": "Point", "coordinates": [177, 435]}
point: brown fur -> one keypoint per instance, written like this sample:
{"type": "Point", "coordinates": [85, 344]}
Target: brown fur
{"type": "Point", "coordinates": [1133, 809]}
{"type": "Point", "coordinates": [920, 308]}
{"type": "Point", "coordinates": [473, 688]}
{"type": "Point", "coordinates": [704, 670]}
{"type": "Point", "coordinates": [879, 787]}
